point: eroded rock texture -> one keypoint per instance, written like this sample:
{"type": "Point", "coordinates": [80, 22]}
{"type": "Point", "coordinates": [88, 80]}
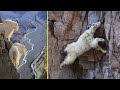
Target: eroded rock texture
{"type": "Point", "coordinates": [66, 26]}
{"type": "Point", "coordinates": [39, 65]}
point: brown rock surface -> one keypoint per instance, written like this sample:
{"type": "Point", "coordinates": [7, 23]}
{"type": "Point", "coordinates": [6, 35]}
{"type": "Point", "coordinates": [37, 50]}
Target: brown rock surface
{"type": "Point", "coordinates": [7, 69]}
{"type": "Point", "coordinates": [67, 27]}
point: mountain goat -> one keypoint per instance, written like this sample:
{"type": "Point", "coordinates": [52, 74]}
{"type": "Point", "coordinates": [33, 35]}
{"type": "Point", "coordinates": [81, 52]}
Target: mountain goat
{"type": "Point", "coordinates": [15, 53]}
{"type": "Point", "coordinates": [7, 28]}
{"type": "Point", "coordinates": [85, 42]}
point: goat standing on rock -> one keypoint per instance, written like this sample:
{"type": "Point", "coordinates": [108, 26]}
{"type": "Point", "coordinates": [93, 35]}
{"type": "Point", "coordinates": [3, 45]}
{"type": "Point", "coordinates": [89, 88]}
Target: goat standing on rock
{"type": "Point", "coordinates": [15, 53]}
{"type": "Point", "coordinates": [7, 28]}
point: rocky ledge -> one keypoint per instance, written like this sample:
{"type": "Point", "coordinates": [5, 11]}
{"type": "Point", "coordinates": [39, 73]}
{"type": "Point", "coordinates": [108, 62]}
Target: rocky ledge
{"type": "Point", "coordinates": [39, 66]}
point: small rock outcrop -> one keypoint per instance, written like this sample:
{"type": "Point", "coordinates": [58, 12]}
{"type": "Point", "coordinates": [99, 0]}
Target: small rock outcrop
{"type": "Point", "coordinates": [39, 66]}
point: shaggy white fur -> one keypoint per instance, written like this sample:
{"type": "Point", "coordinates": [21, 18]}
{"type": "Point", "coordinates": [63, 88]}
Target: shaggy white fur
{"type": "Point", "coordinates": [85, 42]}
{"type": "Point", "coordinates": [15, 53]}
{"type": "Point", "coordinates": [7, 28]}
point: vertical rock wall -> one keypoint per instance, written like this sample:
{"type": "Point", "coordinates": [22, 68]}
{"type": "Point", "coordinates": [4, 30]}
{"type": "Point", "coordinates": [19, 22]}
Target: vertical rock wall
{"type": "Point", "coordinates": [66, 26]}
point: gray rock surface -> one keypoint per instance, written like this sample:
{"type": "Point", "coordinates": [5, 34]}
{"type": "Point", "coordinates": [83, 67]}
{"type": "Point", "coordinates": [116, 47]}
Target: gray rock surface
{"type": "Point", "coordinates": [39, 65]}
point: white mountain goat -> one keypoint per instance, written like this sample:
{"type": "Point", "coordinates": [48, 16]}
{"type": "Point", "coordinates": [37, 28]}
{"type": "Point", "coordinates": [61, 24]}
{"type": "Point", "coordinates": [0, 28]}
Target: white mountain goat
{"type": "Point", "coordinates": [7, 28]}
{"type": "Point", "coordinates": [85, 42]}
{"type": "Point", "coordinates": [15, 53]}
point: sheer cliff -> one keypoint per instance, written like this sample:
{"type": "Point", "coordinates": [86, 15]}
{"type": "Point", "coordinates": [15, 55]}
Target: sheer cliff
{"type": "Point", "coordinates": [66, 27]}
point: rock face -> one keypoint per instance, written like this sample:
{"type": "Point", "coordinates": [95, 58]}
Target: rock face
{"type": "Point", "coordinates": [39, 66]}
{"type": "Point", "coordinates": [66, 26]}
{"type": "Point", "coordinates": [7, 69]}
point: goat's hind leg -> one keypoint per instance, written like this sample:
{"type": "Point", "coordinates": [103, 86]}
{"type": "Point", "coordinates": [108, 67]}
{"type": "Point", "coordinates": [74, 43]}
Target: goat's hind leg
{"type": "Point", "coordinates": [69, 59]}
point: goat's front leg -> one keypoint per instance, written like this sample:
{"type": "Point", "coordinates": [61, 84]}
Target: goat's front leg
{"type": "Point", "coordinates": [94, 26]}
{"type": "Point", "coordinates": [97, 47]}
